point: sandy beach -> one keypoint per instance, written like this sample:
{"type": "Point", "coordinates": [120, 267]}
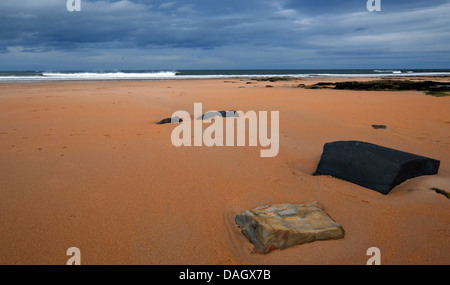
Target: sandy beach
{"type": "Point", "coordinates": [84, 164]}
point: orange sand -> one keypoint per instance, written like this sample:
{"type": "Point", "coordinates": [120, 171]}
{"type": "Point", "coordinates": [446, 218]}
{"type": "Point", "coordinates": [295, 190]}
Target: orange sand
{"type": "Point", "coordinates": [83, 164]}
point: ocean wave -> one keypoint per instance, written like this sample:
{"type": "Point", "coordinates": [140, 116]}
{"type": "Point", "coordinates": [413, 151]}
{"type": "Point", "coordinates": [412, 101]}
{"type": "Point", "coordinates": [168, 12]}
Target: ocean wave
{"type": "Point", "coordinates": [109, 75]}
{"type": "Point", "coordinates": [388, 71]}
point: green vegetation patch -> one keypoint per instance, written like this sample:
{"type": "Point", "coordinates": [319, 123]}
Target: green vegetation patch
{"type": "Point", "coordinates": [437, 94]}
{"type": "Point", "coordinates": [440, 191]}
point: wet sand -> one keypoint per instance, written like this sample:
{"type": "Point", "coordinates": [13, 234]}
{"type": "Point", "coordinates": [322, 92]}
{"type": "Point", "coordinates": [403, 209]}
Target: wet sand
{"type": "Point", "coordinates": [83, 164]}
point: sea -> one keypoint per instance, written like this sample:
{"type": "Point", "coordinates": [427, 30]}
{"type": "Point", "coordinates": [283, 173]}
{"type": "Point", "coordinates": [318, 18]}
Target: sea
{"type": "Point", "coordinates": [103, 75]}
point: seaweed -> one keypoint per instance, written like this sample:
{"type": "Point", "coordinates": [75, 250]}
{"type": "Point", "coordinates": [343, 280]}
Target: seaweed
{"type": "Point", "coordinates": [433, 88]}
{"type": "Point", "coordinates": [440, 191]}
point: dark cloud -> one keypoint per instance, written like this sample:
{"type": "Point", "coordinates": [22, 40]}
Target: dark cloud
{"type": "Point", "coordinates": [283, 33]}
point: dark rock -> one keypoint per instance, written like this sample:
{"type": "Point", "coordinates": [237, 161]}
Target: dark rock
{"type": "Point", "coordinates": [175, 119]}
{"type": "Point", "coordinates": [379, 126]}
{"type": "Point", "coordinates": [372, 166]}
{"type": "Point", "coordinates": [393, 85]}
{"type": "Point", "coordinates": [275, 78]}
{"type": "Point", "coordinates": [438, 89]}
{"type": "Point", "coordinates": [224, 114]}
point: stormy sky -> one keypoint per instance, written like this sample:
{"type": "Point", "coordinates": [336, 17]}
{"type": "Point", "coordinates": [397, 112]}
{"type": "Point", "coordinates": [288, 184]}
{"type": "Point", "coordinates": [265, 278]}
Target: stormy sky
{"type": "Point", "coordinates": [225, 34]}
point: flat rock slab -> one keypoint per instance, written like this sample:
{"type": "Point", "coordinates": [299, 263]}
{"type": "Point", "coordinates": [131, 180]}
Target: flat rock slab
{"type": "Point", "coordinates": [372, 166]}
{"type": "Point", "coordinates": [284, 225]}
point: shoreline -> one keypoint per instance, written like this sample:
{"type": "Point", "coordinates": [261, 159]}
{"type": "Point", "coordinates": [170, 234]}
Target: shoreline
{"type": "Point", "coordinates": [85, 165]}
{"type": "Point", "coordinates": [237, 77]}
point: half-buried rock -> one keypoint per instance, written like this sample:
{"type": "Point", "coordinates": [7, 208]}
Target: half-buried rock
{"type": "Point", "coordinates": [372, 166]}
{"type": "Point", "coordinates": [223, 114]}
{"type": "Point", "coordinates": [285, 225]}
{"type": "Point", "coordinates": [175, 119]}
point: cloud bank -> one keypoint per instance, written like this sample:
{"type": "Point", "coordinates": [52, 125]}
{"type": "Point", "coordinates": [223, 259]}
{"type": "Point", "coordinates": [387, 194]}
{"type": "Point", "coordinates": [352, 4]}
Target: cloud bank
{"type": "Point", "coordinates": [209, 34]}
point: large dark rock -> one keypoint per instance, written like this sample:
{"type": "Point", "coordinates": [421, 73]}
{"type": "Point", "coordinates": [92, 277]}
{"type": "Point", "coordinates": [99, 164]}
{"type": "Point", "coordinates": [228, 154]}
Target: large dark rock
{"type": "Point", "coordinates": [372, 166]}
{"type": "Point", "coordinates": [224, 114]}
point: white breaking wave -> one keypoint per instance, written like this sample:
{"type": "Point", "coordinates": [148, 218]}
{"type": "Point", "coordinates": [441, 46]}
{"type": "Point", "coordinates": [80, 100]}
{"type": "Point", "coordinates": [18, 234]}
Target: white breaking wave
{"type": "Point", "coordinates": [108, 75]}
{"type": "Point", "coordinates": [86, 76]}
{"type": "Point", "coordinates": [388, 71]}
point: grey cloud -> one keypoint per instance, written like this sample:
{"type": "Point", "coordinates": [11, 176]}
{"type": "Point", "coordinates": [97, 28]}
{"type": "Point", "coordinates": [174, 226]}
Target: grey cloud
{"type": "Point", "coordinates": [278, 33]}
